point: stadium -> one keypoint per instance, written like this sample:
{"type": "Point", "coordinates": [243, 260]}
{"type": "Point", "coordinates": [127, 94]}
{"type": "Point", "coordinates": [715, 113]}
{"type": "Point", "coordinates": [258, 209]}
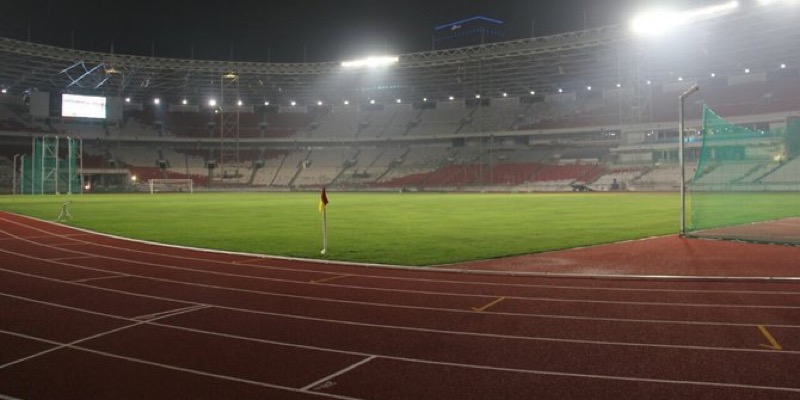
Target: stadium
{"type": "Point", "coordinates": [497, 218]}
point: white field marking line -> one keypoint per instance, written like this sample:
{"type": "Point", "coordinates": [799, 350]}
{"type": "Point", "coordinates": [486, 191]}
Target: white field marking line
{"type": "Point", "coordinates": [99, 278]}
{"type": "Point", "coordinates": [385, 305]}
{"type": "Point", "coordinates": [175, 368]}
{"type": "Point", "coordinates": [170, 313]}
{"type": "Point", "coordinates": [404, 328]}
{"type": "Point", "coordinates": [418, 361]}
{"type": "Point", "coordinates": [420, 269]}
{"type": "Point", "coordinates": [338, 373]}
{"type": "Point", "coordinates": [417, 292]}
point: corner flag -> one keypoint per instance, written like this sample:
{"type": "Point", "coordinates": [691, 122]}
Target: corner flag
{"type": "Point", "coordinates": [323, 200]}
{"type": "Point", "coordinates": [323, 203]}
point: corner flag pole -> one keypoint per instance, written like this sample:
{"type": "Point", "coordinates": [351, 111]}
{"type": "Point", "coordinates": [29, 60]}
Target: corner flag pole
{"type": "Point", "coordinates": [323, 208]}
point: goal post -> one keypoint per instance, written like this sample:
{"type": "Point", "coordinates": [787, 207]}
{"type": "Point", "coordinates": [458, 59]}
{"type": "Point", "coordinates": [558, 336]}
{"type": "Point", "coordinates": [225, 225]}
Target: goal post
{"type": "Point", "coordinates": [171, 186]}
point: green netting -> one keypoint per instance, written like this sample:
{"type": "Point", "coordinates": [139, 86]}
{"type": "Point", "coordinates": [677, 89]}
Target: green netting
{"type": "Point", "coordinates": [744, 176]}
{"type": "Point", "coordinates": [52, 167]}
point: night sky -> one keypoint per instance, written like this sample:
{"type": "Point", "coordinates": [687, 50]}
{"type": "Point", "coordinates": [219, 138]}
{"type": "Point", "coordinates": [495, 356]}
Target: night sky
{"type": "Point", "coordinates": [286, 30]}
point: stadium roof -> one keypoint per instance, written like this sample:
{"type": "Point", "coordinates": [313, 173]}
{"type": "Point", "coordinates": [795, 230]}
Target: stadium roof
{"type": "Point", "coordinates": [605, 58]}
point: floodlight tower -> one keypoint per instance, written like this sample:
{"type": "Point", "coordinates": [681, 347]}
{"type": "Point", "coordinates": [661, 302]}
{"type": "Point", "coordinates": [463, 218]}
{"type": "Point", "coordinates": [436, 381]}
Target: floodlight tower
{"type": "Point", "coordinates": [229, 125]}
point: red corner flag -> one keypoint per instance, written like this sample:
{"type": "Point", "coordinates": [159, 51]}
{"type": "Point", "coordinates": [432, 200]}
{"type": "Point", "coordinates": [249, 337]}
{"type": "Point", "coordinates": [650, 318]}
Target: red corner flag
{"type": "Point", "coordinates": [323, 200]}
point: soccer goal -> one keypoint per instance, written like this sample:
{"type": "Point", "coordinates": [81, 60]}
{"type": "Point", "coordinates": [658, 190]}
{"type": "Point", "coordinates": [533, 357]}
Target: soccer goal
{"type": "Point", "coordinates": [171, 186]}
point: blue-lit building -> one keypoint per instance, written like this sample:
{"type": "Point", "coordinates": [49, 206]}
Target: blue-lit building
{"type": "Point", "coordinates": [468, 32]}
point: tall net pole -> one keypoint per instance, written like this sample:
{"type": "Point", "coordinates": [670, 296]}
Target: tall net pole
{"type": "Point", "coordinates": [681, 159]}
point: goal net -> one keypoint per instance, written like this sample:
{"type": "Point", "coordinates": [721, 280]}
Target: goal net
{"type": "Point", "coordinates": [171, 186]}
{"type": "Point", "coordinates": [747, 182]}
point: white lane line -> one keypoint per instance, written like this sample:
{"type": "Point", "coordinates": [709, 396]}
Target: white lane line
{"type": "Point", "coordinates": [99, 335]}
{"type": "Point", "coordinates": [72, 258]}
{"type": "Point", "coordinates": [66, 345]}
{"type": "Point", "coordinates": [388, 267]}
{"type": "Point", "coordinates": [393, 306]}
{"type": "Point", "coordinates": [99, 278]}
{"type": "Point", "coordinates": [176, 368]}
{"type": "Point", "coordinates": [421, 330]}
{"type": "Point", "coordinates": [415, 292]}
{"type": "Point", "coordinates": [170, 313]}
{"type": "Point", "coordinates": [315, 385]}
{"type": "Point", "coordinates": [437, 363]}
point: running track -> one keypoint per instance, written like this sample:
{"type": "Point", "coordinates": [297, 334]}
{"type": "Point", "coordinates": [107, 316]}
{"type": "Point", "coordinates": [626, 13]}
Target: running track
{"type": "Point", "coordinates": [89, 316]}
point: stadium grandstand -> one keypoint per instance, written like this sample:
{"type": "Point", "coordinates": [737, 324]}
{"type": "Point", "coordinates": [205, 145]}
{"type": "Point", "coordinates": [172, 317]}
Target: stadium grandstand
{"type": "Point", "coordinates": [595, 109]}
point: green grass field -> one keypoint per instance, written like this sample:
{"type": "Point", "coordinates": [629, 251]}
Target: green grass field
{"type": "Point", "coordinates": [390, 228]}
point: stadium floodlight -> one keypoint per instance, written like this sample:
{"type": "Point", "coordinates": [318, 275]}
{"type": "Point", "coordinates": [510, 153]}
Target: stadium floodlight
{"type": "Point", "coordinates": [156, 101]}
{"type": "Point", "coordinates": [212, 102]}
{"type": "Point", "coordinates": [505, 94]}
{"type": "Point", "coordinates": [319, 103]}
{"type": "Point", "coordinates": [266, 103]}
{"type": "Point", "coordinates": [371, 62]}
{"type": "Point", "coordinates": [4, 90]}
{"type": "Point", "coordinates": [184, 102]}
{"type": "Point", "coordinates": [589, 88]}
{"type": "Point", "coordinates": [127, 99]}
{"type": "Point", "coordinates": [533, 92]}
{"type": "Point", "coordinates": [399, 101]}
{"type": "Point", "coordinates": [451, 98]}
{"type": "Point", "coordinates": [649, 82]}
{"type": "Point", "coordinates": [347, 102]}
{"type": "Point", "coordinates": [658, 22]}
{"type": "Point", "coordinates": [239, 103]}
{"type": "Point", "coordinates": [477, 95]}
{"type": "Point", "coordinates": [293, 103]}
{"type": "Point", "coordinates": [747, 70]}
{"type": "Point", "coordinates": [783, 66]}
{"type": "Point", "coordinates": [713, 75]}
{"type": "Point", "coordinates": [560, 90]}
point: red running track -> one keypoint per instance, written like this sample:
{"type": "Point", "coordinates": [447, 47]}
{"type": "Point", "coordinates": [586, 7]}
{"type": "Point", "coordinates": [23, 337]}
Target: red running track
{"type": "Point", "coordinates": [89, 316]}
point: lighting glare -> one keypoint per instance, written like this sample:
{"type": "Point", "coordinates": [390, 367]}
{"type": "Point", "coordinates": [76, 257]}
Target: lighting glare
{"type": "Point", "coordinates": [399, 101]}
{"type": "Point", "coordinates": [4, 90]}
{"type": "Point", "coordinates": [212, 102]}
{"type": "Point", "coordinates": [347, 102]}
{"type": "Point", "coordinates": [371, 62]}
{"type": "Point", "coordinates": [185, 102]}
{"type": "Point", "coordinates": [156, 101]}
{"type": "Point", "coordinates": [293, 103]}
{"type": "Point", "coordinates": [658, 22]}
{"type": "Point", "coordinates": [770, 2]}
